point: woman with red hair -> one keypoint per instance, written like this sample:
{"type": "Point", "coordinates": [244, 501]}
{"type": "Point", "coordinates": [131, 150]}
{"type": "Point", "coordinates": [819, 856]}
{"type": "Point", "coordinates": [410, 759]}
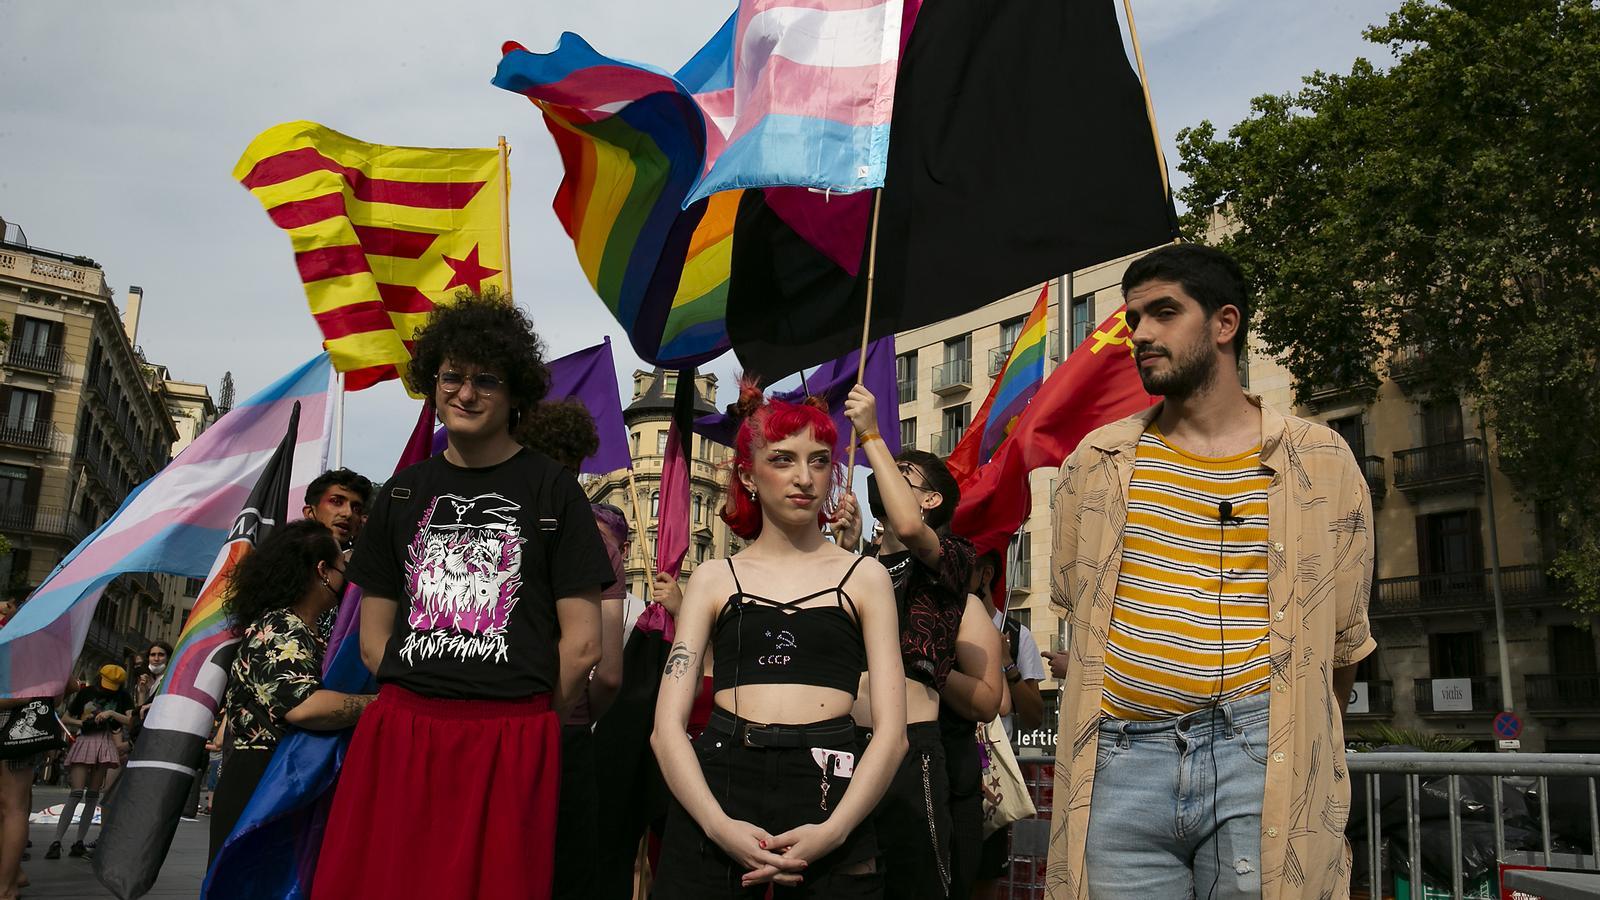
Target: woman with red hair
{"type": "Point", "coordinates": [772, 791]}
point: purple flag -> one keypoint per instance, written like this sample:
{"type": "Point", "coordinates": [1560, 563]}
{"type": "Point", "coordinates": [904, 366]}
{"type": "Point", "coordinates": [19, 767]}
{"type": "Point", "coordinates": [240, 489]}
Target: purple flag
{"type": "Point", "coordinates": [590, 377]}
{"type": "Point", "coordinates": [832, 381]}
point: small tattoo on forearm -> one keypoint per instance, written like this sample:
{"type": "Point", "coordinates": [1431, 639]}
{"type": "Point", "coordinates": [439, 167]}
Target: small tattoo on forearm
{"type": "Point", "coordinates": [350, 709]}
{"type": "Point", "coordinates": [679, 661]}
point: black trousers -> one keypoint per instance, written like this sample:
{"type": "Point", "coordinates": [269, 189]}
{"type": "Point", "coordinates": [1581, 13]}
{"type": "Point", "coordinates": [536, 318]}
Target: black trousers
{"type": "Point", "coordinates": [577, 817]}
{"type": "Point", "coordinates": [241, 772]}
{"type": "Point", "coordinates": [778, 789]}
{"type": "Point", "coordinates": [965, 766]}
{"type": "Point", "coordinates": [913, 820]}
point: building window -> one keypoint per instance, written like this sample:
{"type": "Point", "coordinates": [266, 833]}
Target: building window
{"type": "Point", "coordinates": [1449, 552]}
{"type": "Point", "coordinates": [1441, 421]}
{"type": "Point", "coordinates": [956, 419]}
{"type": "Point", "coordinates": [1082, 318]}
{"type": "Point", "coordinates": [1019, 560]}
{"type": "Point", "coordinates": [1350, 428]}
{"type": "Point", "coordinates": [905, 367]}
{"type": "Point", "coordinates": [1010, 330]}
{"type": "Point", "coordinates": [705, 448]}
{"type": "Point", "coordinates": [1455, 654]}
{"type": "Point", "coordinates": [1024, 618]}
{"type": "Point", "coordinates": [669, 384]}
{"type": "Point", "coordinates": [1572, 651]}
{"type": "Point", "coordinates": [35, 339]}
{"type": "Point", "coordinates": [13, 492]}
{"type": "Point", "coordinates": [697, 509]}
{"type": "Point", "coordinates": [908, 433]}
{"type": "Point", "coordinates": [661, 442]}
{"type": "Point", "coordinates": [655, 509]}
{"type": "Point", "coordinates": [700, 551]}
{"type": "Point", "coordinates": [193, 586]}
{"type": "Point", "coordinates": [634, 438]}
{"type": "Point", "coordinates": [22, 410]}
{"type": "Point", "coordinates": [958, 349]}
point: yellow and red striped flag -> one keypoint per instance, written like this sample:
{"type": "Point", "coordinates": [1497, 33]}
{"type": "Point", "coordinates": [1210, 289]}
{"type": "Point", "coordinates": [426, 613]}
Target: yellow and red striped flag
{"type": "Point", "coordinates": [380, 234]}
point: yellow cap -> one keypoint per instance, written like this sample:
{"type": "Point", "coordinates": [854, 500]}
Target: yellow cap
{"type": "Point", "coordinates": [112, 676]}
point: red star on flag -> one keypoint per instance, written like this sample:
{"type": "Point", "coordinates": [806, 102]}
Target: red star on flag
{"type": "Point", "coordinates": [468, 273]}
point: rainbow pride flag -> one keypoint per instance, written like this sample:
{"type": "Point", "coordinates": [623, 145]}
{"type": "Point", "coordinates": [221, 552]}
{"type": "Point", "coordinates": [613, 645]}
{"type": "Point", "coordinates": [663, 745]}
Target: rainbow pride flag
{"type": "Point", "coordinates": [176, 523]}
{"type": "Point", "coordinates": [632, 140]}
{"type": "Point", "coordinates": [1013, 388]}
{"type": "Point", "coordinates": [1019, 380]}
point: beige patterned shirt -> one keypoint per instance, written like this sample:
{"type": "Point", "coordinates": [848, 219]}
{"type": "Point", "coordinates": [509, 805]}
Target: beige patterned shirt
{"type": "Point", "coordinates": [1319, 578]}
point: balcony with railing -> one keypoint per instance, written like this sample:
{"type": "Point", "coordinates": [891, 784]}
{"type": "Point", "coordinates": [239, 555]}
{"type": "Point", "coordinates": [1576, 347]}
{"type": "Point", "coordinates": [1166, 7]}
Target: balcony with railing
{"type": "Point", "coordinates": [1568, 695]}
{"type": "Point", "coordinates": [953, 376]}
{"type": "Point", "coordinates": [50, 521]}
{"type": "Point", "coordinates": [36, 435]}
{"type": "Point", "coordinates": [1451, 466]}
{"type": "Point", "coordinates": [907, 389]}
{"type": "Point", "coordinates": [1377, 483]}
{"type": "Point", "coordinates": [1340, 389]}
{"type": "Point", "coordinates": [48, 359]}
{"type": "Point", "coordinates": [1470, 591]}
{"type": "Point", "coordinates": [1380, 701]}
{"type": "Point", "coordinates": [1408, 364]}
{"type": "Point", "coordinates": [943, 443]}
{"type": "Point", "coordinates": [998, 357]}
{"type": "Point", "coordinates": [1482, 689]}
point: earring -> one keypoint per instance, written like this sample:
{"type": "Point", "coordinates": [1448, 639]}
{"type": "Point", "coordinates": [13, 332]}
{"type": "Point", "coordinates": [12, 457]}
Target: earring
{"type": "Point", "coordinates": [752, 492]}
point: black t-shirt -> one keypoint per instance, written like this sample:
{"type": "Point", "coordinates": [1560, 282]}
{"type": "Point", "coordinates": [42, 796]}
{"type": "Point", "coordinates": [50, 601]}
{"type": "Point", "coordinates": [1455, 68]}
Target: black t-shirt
{"type": "Point", "coordinates": [475, 560]}
{"type": "Point", "coordinates": [93, 700]}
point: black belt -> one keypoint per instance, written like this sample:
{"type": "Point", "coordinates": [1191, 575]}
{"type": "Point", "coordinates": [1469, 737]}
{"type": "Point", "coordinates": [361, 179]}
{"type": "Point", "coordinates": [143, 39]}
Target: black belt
{"type": "Point", "coordinates": [754, 734]}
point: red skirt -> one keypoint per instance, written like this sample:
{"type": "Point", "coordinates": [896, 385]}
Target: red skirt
{"type": "Point", "coordinates": [440, 799]}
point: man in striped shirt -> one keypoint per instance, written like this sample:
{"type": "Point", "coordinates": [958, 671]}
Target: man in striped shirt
{"type": "Point", "coordinates": [1213, 559]}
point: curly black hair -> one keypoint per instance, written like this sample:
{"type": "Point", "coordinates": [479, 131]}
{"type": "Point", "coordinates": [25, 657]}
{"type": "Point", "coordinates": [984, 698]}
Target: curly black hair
{"type": "Point", "coordinates": [485, 330]}
{"type": "Point", "coordinates": [354, 482]}
{"type": "Point", "coordinates": [562, 430]}
{"type": "Point", "coordinates": [277, 572]}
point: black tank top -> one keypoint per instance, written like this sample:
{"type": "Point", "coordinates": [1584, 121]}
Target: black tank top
{"type": "Point", "coordinates": [756, 640]}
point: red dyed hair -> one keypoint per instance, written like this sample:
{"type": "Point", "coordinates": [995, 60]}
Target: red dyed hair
{"type": "Point", "coordinates": [767, 421]}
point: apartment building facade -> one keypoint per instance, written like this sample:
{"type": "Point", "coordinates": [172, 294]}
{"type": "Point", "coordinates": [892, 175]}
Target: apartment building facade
{"type": "Point", "coordinates": [648, 418]}
{"type": "Point", "coordinates": [81, 424]}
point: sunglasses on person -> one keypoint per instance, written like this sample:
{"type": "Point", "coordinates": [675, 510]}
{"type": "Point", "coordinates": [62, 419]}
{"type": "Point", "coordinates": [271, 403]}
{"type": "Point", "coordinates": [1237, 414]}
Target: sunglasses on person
{"type": "Point", "coordinates": [482, 382]}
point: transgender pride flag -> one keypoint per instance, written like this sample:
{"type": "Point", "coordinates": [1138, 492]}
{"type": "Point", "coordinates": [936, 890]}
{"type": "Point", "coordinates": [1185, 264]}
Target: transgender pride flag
{"type": "Point", "coordinates": [809, 99]}
{"type": "Point", "coordinates": [175, 523]}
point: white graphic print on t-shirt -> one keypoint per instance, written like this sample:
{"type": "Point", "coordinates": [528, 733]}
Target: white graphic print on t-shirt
{"type": "Point", "coordinates": [463, 570]}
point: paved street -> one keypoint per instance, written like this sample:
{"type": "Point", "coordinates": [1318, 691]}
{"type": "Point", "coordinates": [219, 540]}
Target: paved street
{"type": "Point", "coordinates": [66, 877]}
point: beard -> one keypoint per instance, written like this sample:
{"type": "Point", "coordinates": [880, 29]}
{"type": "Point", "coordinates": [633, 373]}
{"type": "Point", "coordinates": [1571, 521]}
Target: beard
{"type": "Point", "coordinates": [1190, 372]}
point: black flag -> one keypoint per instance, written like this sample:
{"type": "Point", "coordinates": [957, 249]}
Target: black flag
{"type": "Point", "coordinates": [1020, 150]}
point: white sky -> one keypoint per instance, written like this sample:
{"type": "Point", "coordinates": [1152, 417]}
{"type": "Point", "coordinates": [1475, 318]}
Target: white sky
{"type": "Point", "coordinates": [120, 123]}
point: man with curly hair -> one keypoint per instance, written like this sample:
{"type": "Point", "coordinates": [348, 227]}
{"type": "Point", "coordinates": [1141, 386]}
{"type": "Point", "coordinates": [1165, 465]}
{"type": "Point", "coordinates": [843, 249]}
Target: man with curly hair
{"type": "Point", "coordinates": [482, 570]}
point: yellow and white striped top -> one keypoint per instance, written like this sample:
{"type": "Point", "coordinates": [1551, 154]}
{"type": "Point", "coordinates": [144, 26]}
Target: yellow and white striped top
{"type": "Point", "coordinates": [1183, 635]}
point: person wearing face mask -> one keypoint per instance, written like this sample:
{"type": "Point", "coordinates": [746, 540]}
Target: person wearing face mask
{"type": "Point", "coordinates": [274, 598]}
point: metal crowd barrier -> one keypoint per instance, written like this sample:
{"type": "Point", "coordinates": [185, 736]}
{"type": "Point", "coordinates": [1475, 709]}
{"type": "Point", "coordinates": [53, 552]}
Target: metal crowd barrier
{"type": "Point", "coordinates": [1025, 877]}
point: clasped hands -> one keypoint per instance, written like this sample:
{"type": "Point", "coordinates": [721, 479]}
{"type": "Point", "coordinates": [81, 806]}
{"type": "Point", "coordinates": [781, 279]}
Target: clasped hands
{"type": "Point", "coordinates": [778, 859]}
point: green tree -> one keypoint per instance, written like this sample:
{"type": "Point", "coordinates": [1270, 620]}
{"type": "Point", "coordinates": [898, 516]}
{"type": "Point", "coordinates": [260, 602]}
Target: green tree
{"type": "Point", "coordinates": [1448, 201]}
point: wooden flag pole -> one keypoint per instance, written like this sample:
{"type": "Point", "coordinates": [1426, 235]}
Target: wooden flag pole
{"type": "Point", "coordinates": [505, 209]}
{"type": "Point", "coordinates": [338, 420]}
{"type": "Point", "coordinates": [1149, 106]}
{"type": "Point", "coordinates": [639, 542]}
{"type": "Point", "coordinates": [866, 323]}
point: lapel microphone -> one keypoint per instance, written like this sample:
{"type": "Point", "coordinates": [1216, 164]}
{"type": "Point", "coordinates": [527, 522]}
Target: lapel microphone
{"type": "Point", "coordinates": [1225, 513]}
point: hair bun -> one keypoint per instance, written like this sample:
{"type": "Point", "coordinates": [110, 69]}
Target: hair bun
{"type": "Point", "coordinates": [750, 401]}
{"type": "Point", "coordinates": [816, 402]}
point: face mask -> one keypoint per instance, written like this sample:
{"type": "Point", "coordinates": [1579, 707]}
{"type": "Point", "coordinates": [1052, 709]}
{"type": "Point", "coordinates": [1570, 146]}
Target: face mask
{"type": "Point", "coordinates": [157, 668]}
{"type": "Point", "coordinates": [874, 502]}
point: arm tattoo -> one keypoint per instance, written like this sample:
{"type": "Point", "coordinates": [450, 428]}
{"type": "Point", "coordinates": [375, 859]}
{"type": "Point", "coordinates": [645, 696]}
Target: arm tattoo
{"type": "Point", "coordinates": [350, 709]}
{"type": "Point", "coordinates": [679, 661]}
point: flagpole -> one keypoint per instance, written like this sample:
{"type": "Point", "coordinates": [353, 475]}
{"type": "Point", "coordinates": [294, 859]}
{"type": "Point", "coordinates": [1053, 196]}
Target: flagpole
{"type": "Point", "coordinates": [866, 322]}
{"type": "Point", "coordinates": [1149, 106]}
{"type": "Point", "coordinates": [505, 209]}
{"type": "Point", "coordinates": [338, 420]}
{"type": "Point", "coordinates": [639, 542]}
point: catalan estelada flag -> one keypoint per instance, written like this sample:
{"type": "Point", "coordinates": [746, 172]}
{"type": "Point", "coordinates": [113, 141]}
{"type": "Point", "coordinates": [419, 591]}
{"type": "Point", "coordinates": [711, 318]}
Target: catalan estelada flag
{"type": "Point", "coordinates": [380, 234]}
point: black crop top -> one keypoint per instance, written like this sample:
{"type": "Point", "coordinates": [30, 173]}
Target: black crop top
{"type": "Point", "coordinates": [756, 640]}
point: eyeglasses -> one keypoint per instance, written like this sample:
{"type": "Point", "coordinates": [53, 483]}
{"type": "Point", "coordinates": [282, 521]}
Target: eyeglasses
{"type": "Point", "coordinates": [906, 471]}
{"type": "Point", "coordinates": [483, 382]}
